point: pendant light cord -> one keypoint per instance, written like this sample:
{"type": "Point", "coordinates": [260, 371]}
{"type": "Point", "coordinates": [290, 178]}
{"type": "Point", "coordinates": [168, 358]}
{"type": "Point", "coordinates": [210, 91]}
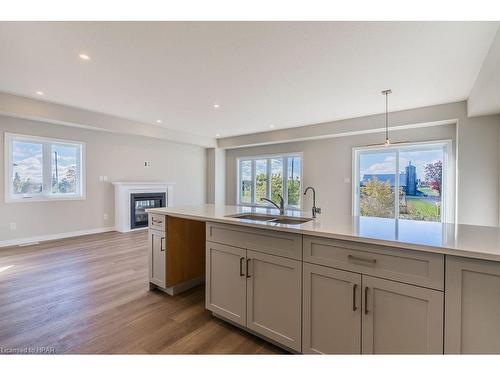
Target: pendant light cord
{"type": "Point", "coordinates": [386, 117]}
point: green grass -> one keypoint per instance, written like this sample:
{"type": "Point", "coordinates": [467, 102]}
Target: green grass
{"type": "Point", "coordinates": [421, 210]}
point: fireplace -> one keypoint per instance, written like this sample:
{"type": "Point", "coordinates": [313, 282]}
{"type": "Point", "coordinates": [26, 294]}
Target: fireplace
{"type": "Point", "coordinates": [139, 203]}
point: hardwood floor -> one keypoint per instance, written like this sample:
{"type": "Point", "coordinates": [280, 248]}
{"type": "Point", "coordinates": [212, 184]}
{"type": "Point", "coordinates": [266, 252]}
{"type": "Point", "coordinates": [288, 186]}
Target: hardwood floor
{"type": "Point", "coordinates": [90, 295]}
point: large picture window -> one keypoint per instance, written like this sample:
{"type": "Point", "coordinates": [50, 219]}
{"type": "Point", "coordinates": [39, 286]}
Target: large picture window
{"type": "Point", "coordinates": [43, 169]}
{"type": "Point", "coordinates": [269, 177]}
{"type": "Point", "coordinates": [406, 181]}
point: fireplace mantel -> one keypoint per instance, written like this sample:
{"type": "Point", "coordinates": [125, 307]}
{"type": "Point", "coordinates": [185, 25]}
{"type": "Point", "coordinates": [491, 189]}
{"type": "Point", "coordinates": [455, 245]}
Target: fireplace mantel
{"type": "Point", "coordinates": [123, 190]}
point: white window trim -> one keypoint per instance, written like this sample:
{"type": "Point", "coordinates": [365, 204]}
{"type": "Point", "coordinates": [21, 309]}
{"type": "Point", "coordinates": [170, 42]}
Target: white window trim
{"type": "Point", "coordinates": [448, 212]}
{"type": "Point", "coordinates": [9, 196]}
{"type": "Point", "coordinates": [285, 180]}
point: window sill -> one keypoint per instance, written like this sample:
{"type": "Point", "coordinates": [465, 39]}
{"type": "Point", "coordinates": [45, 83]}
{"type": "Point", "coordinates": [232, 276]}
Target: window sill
{"type": "Point", "coordinates": [44, 199]}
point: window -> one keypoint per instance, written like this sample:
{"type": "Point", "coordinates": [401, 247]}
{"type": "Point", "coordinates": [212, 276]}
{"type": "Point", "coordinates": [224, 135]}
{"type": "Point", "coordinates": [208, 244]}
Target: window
{"type": "Point", "coordinates": [269, 177]}
{"type": "Point", "coordinates": [408, 181]}
{"type": "Point", "coordinates": [43, 169]}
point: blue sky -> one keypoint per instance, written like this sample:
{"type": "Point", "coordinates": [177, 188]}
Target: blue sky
{"type": "Point", "coordinates": [385, 162]}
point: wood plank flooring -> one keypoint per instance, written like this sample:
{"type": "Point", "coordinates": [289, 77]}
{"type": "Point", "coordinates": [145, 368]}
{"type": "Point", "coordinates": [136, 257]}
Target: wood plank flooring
{"type": "Point", "coordinates": [90, 295]}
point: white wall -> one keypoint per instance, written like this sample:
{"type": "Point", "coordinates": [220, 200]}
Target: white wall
{"type": "Point", "coordinates": [121, 158]}
{"type": "Point", "coordinates": [327, 162]}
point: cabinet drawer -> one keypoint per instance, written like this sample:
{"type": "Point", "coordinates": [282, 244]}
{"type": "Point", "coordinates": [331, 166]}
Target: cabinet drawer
{"type": "Point", "coordinates": [408, 266]}
{"type": "Point", "coordinates": [157, 221]}
{"type": "Point", "coordinates": [272, 242]}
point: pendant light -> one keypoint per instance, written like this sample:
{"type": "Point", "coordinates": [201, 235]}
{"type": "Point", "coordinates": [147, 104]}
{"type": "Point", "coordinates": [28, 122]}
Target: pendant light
{"type": "Point", "coordinates": [386, 93]}
{"type": "Point", "coordinates": [387, 141]}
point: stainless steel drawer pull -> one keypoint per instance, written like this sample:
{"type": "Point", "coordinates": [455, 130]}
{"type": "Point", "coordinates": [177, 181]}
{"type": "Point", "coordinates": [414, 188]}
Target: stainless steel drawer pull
{"type": "Point", "coordinates": [248, 262]}
{"type": "Point", "coordinates": [361, 259]}
{"type": "Point", "coordinates": [366, 300]}
{"type": "Point", "coordinates": [354, 307]}
{"type": "Point", "coordinates": [241, 266]}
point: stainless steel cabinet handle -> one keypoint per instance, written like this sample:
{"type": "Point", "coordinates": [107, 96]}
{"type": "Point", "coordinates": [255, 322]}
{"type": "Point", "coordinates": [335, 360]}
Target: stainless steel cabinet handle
{"type": "Point", "coordinates": [366, 300]}
{"type": "Point", "coordinates": [162, 242]}
{"type": "Point", "coordinates": [361, 259]}
{"type": "Point", "coordinates": [248, 262]}
{"type": "Point", "coordinates": [241, 266]}
{"type": "Point", "coordinates": [354, 307]}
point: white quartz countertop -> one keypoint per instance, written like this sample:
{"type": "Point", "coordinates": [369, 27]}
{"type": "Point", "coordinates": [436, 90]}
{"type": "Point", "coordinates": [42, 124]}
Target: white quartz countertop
{"type": "Point", "coordinates": [470, 241]}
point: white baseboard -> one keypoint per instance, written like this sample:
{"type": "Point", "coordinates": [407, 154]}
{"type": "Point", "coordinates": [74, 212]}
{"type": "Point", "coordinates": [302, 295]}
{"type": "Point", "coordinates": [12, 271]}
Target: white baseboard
{"type": "Point", "coordinates": [57, 236]}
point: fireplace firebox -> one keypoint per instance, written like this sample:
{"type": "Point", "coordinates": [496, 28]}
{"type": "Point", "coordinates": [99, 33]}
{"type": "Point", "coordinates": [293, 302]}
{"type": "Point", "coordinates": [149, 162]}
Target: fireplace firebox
{"type": "Point", "coordinates": [139, 203]}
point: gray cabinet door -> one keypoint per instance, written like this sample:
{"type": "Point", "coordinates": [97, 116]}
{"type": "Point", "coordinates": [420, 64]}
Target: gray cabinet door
{"type": "Point", "coordinates": [332, 311]}
{"type": "Point", "coordinates": [157, 257]}
{"type": "Point", "coordinates": [472, 306]}
{"type": "Point", "coordinates": [401, 318]}
{"type": "Point", "coordinates": [274, 298]}
{"type": "Point", "coordinates": [226, 282]}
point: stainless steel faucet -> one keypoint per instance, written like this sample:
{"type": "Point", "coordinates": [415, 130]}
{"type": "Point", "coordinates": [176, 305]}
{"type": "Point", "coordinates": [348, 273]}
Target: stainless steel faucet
{"type": "Point", "coordinates": [315, 210]}
{"type": "Point", "coordinates": [281, 207]}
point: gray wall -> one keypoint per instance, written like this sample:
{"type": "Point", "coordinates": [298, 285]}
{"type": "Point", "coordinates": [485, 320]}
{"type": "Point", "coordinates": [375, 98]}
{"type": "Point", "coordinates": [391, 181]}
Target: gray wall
{"type": "Point", "coordinates": [121, 158]}
{"type": "Point", "coordinates": [327, 162]}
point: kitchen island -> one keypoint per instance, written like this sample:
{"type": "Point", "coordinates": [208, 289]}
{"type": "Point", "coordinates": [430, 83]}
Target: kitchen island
{"type": "Point", "coordinates": [346, 284]}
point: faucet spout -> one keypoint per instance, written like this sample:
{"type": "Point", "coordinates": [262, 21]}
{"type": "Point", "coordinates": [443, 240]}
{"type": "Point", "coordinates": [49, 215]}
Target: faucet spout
{"type": "Point", "coordinates": [315, 210]}
{"type": "Point", "coordinates": [280, 207]}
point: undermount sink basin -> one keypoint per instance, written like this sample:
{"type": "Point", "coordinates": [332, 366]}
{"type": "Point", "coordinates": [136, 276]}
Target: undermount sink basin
{"type": "Point", "coordinates": [271, 218]}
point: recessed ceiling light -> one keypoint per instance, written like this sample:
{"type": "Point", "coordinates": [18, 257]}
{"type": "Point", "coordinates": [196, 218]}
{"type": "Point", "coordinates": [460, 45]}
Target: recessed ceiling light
{"type": "Point", "coordinates": [41, 93]}
{"type": "Point", "coordinates": [217, 135]}
{"type": "Point", "coordinates": [271, 126]}
{"type": "Point", "coordinates": [216, 106]}
{"type": "Point", "coordinates": [158, 121]}
{"type": "Point", "coordinates": [84, 56]}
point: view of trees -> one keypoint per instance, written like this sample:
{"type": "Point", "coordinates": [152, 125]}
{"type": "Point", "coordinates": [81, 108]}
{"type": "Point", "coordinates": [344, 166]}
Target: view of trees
{"type": "Point", "coordinates": [433, 175]}
{"type": "Point", "coordinates": [276, 189]}
{"type": "Point", "coordinates": [377, 198]}
{"type": "Point", "coordinates": [25, 186]}
{"type": "Point", "coordinates": [67, 184]}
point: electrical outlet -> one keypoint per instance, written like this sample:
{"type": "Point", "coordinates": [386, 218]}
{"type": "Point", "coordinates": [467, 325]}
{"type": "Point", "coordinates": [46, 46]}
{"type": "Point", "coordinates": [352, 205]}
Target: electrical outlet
{"type": "Point", "coordinates": [147, 164]}
{"type": "Point", "coordinates": [13, 226]}
{"type": "Point", "coordinates": [105, 216]}
{"type": "Point", "coordinates": [347, 180]}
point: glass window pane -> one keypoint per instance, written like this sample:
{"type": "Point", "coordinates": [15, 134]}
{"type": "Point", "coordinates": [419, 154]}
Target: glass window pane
{"type": "Point", "coordinates": [276, 179]}
{"type": "Point", "coordinates": [293, 181]}
{"type": "Point", "coordinates": [421, 170]}
{"type": "Point", "coordinates": [246, 181]}
{"type": "Point", "coordinates": [377, 174]}
{"type": "Point", "coordinates": [260, 180]}
{"type": "Point", "coordinates": [27, 167]}
{"type": "Point", "coordinates": [65, 175]}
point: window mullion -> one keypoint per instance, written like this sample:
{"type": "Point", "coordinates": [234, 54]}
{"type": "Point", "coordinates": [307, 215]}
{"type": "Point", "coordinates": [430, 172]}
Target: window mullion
{"type": "Point", "coordinates": [285, 180]}
{"type": "Point", "coordinates": [254, 182]}
{"type": "Point", "coordinates": [46, 169]}
{"type": "Point", "coordinates": [396, 193]}
{"type": "Point", "coordinates": [269, 180]}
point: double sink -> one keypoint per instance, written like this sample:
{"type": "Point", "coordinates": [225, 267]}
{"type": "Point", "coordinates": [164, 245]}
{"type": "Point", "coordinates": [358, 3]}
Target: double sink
{"type": "Point", "coordinates": [278, 219]}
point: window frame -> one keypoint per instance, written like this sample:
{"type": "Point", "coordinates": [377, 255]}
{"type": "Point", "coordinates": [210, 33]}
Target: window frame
{"type": "Point", "coordinates": [447, 211]}
{"type": "Point", "coordinates": [46, 194]}
{"type": "Point", "coordinates": [268, 157]}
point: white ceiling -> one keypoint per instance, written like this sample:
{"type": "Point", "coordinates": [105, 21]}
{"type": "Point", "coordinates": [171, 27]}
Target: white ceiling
{"type": "Point", "coordinates": [283, 73]}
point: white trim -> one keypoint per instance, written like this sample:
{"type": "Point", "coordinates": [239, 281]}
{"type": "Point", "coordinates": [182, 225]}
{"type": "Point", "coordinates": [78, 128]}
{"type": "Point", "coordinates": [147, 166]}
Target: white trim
{"type": "Point", "coordinates": [448, 209]}
{"type": "Point", "coordinates": [47, 172]}
{"type": "Point", "coordinates": [56, 236]}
